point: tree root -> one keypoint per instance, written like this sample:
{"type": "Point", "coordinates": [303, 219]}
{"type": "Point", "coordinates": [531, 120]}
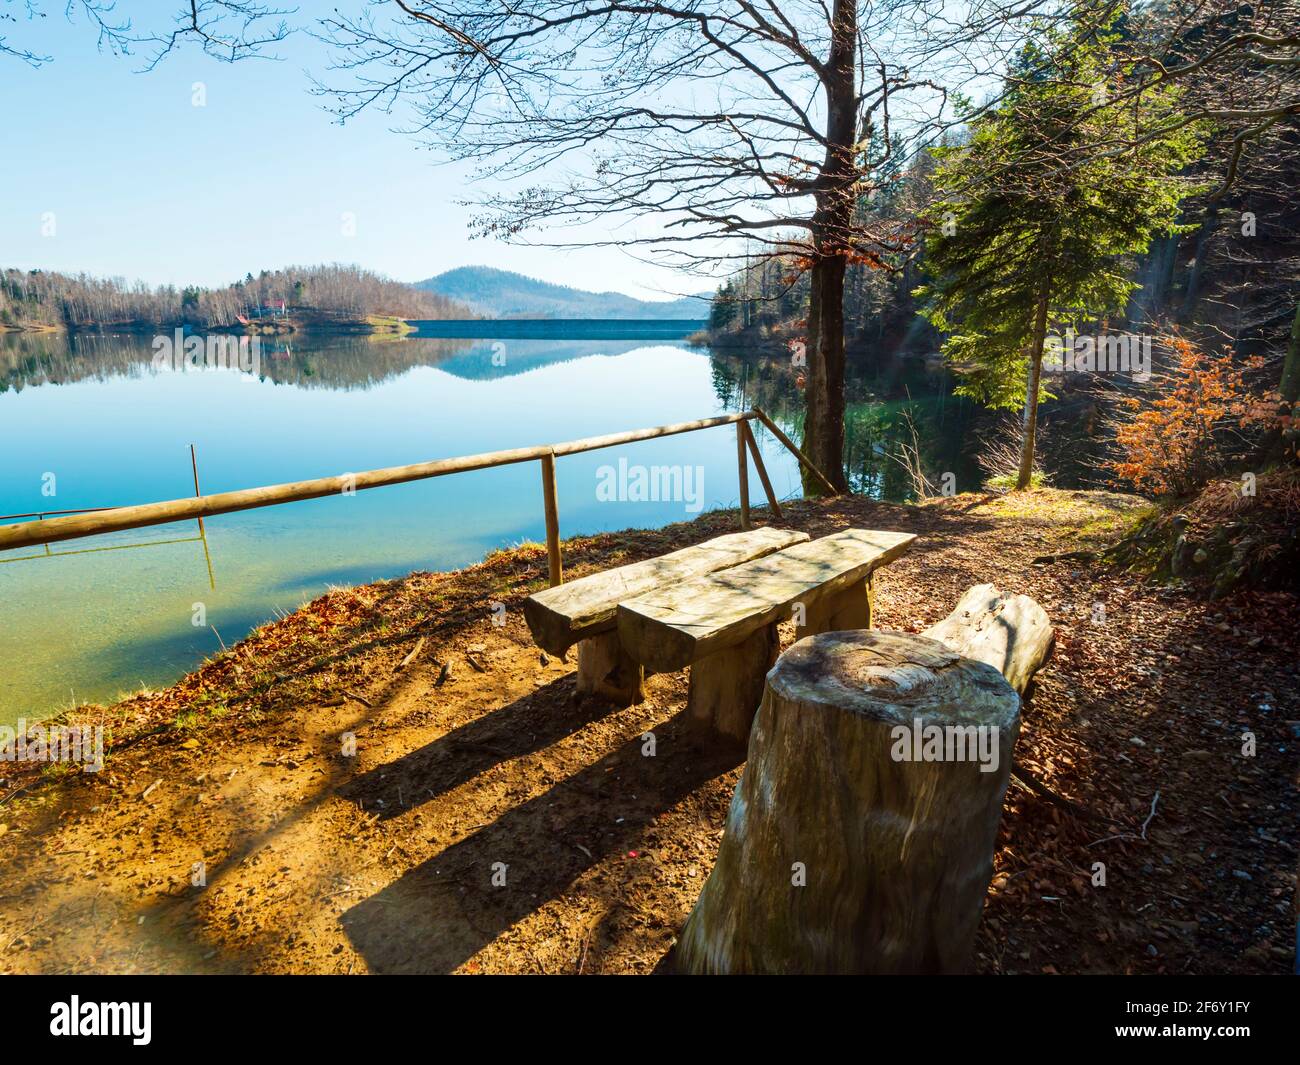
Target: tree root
{"type": "Point", "coordinates": [1031, 783]}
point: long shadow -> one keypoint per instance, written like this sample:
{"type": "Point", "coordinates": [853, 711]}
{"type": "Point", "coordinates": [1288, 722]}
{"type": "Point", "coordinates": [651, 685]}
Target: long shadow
{"type": "Point", "coordinates": [529, 724]}
{"type": "Point", "coordinates": [441, 913]}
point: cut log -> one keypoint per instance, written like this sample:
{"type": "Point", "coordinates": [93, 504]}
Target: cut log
{"type": "Point", "coordinates": [860, 837]}
{"type": "Point", "coordinates": [1013, 635]}
{"type": "Point", "coordinates": [605, 669]}
{"type": "Point", "coordinates": [560, 617]}
{"type": "Point", "coordinates": [669, 628]}
{"type": "Point", "coordinates": [727, 686]}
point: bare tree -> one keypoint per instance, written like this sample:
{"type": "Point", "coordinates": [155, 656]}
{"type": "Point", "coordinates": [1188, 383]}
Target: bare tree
{"type": "Point", "coordinates": [712, 132]}
{"type": "Point", "coordinates": [1237, 64]}
{"type": "Point", "coordinates": [229, 30]}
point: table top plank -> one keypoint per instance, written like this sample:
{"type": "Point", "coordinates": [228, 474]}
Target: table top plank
{"type": "Point", "coordinates": [670, 627]}
{"type": "Point", "coordinates": [559, 617]}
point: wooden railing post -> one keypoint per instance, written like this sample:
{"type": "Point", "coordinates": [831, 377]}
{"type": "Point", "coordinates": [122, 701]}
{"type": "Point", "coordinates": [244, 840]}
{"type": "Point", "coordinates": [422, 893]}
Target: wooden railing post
{"type": "Point", "coordinates": [743, 461]}
{"type": "Point", "coordinates": [752, 444]}
{"type": "Point", "coordinates": [552, 507]}
{"type": "Point", "coordinates": [775, 430]}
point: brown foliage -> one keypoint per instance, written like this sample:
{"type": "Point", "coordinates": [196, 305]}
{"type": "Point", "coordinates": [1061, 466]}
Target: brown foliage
{"type": "Point", "coordinates": [1193, 427]}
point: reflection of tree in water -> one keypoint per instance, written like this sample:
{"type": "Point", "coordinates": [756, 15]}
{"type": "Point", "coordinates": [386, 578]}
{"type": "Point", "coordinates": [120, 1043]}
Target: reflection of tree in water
{"type": "Point", "coordinates": [29, 359]}
{"type": "Point", "coordinates": [488, 359]}
{"type": "Point", "coordinates": [302, 360]}
{"type": "Point", "coordinates": [875, 425]}
{"type": "Point", "coordinates": [350, 362]}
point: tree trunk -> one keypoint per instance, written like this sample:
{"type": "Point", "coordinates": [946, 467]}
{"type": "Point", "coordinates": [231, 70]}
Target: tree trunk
{"type": "Point", "coordinates": [1290, 387]}
{"type": "Point", "coordinates": [846, 849]}
{"type": "Point", "coordinates": [823, 430]}
{"type": "Point", "coordinates": [1025, 477]}
{"type": "Point", "coordinates": [823, 427]}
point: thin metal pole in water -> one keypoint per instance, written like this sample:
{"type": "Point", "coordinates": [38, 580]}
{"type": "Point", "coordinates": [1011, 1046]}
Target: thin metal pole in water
{"type": "Point", "coordinates": [212, 580]}
{"type": "Point", "coordinates": [194, 465]}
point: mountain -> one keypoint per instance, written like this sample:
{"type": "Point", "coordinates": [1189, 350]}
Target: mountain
{"type": "Point", "coordinates": [503, 294]}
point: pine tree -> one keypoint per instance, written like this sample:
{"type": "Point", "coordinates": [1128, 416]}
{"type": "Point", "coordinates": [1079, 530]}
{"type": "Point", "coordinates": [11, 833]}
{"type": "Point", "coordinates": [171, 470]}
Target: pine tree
{"type": "Point", "coordinates": [1038, 211]}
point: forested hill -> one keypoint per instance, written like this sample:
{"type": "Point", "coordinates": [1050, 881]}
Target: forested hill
{"type": "Point", "coordinates": [503, 294]}
{"type": "Point", "coordinates": [307, 295]}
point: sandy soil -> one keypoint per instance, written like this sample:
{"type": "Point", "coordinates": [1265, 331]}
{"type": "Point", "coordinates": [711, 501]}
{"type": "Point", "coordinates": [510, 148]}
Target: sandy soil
{"type": "Point", "coordinates": [232, 829]}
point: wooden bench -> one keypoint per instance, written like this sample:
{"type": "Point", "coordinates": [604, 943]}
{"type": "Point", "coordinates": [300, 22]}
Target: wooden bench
{"type": "Point", "coordinates": [723, 625]}
{"type": "Point", "coordinates": [582, 612]}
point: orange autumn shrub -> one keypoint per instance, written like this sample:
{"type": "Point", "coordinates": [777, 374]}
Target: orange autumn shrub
{"type": "Point", "coordinates": [1202, 412]}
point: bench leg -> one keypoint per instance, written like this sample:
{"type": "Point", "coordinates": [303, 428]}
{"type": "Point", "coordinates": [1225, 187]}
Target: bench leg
{"type": "Point", "coordinates": [727, 686]}
{"type": "Point", "coordinates": [607, 670]}
{"type": "Point", "coordinates": [850, 609]}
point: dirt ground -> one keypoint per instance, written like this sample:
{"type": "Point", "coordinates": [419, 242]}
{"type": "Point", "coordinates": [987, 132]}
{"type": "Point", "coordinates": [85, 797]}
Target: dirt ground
{"type": "Point", "coordinates": [233, 829]}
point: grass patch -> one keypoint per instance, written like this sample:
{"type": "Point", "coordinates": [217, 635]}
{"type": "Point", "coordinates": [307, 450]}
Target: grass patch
{"type": "Point", "coordinates": [1007, 481]}
{"type": "Point", "coordinates": [382, 323]}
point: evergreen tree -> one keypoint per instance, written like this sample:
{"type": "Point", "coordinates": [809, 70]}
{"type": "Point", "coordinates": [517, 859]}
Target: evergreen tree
{"type": "Point", "coordinates": [1039, 211]}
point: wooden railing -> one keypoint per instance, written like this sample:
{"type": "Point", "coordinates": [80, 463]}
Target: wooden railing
{"type": "Point", "coordinates": [117, 519]}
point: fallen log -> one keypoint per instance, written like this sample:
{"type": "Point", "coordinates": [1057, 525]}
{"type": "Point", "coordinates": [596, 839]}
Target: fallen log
{"type": "Point", "coordinates": [860, 837]}
{"type": "Point", "coordinates": [1016, 637]}
{"type": "Point", "coordinates": [1013, 635]}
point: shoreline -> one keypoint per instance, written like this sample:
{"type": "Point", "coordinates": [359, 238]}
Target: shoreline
{"type": "Point", "coordinates": [372, 325]}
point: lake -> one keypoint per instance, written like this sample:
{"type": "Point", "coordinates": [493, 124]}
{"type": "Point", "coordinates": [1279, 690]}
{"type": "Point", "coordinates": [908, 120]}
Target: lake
{"type": "Point", "coordinates": [91, 419]}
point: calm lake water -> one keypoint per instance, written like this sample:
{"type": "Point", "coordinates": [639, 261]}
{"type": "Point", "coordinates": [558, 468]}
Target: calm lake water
{"type": "Point", "coordinates": [90, 624]}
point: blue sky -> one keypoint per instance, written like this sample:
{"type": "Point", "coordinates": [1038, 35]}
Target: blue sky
{"type": "Point", "coordinates": [142, 184]}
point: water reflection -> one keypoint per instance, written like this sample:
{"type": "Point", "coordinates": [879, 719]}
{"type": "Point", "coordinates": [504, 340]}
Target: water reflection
{"type": "Point", "coordinates": [879, 401]}
{"type": "Point", "coordinates": [878, 405]}
{"type": "Point", "coordinates": [115, 430]}
{"type": "Point", "coordinates": [303, 360]}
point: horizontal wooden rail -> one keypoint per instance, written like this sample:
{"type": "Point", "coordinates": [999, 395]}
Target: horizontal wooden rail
{"type": "Point", "coordinates": [118, 519]}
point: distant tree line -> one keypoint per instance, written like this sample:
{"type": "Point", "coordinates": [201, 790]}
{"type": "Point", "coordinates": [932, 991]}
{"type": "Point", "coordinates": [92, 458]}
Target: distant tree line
{"type": "Point", "coordinates": [334, 291]}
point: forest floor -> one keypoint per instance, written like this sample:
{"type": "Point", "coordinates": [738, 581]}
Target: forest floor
{"type": "Point", "coordinates": [234, 829]}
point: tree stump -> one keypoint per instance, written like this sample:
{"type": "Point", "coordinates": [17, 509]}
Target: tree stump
{"type": "Point", "coordinates": [726, 686]}
{"type": "Point", "coordinates": [848, 848]}
{"type": "Point", "coordinates": [605, 669]}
